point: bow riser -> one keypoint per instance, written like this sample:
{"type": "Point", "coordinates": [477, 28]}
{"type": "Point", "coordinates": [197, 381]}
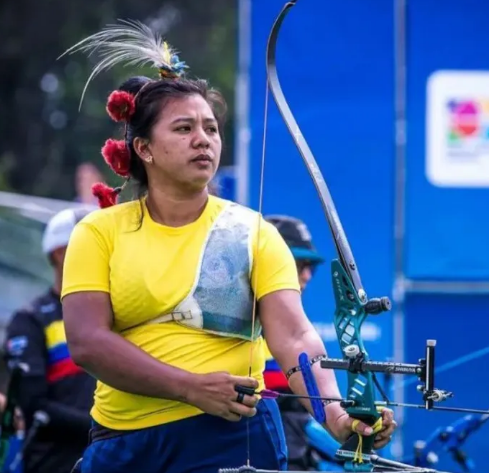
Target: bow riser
{"type": "Point", "coordinates": [348, 319]}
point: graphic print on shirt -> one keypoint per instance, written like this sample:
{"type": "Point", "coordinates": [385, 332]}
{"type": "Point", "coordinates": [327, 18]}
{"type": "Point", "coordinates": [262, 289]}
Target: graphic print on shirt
{"type": "Point", "coordinates": [221, 299]}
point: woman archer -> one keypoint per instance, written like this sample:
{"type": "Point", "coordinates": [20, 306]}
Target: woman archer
{"type": "Point", "coordinates": [159, 292]}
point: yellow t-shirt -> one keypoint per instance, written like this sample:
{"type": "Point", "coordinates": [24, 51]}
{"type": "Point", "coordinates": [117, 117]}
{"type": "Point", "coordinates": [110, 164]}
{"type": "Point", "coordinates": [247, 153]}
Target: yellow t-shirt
{"type": "Point", "coordinates": [147, 269]}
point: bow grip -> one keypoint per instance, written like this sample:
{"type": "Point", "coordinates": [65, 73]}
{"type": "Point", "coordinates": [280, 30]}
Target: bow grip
{"type": "Point", "coordinates": [356, 446]}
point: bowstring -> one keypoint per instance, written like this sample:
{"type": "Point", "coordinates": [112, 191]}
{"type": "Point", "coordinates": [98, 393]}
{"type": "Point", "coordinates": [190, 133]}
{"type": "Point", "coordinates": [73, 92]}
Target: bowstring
{"type": "Point", "coordinates": [256, 260]}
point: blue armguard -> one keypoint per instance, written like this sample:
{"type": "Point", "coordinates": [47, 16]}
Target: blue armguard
{"type": "Point", "coordinates": [312, 388]}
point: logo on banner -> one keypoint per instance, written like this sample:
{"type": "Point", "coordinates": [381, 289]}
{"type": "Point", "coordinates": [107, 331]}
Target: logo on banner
{"type": "Point", "coordinates": [457, 133]}
{"type": "Point", "coordinates": [468, 126]}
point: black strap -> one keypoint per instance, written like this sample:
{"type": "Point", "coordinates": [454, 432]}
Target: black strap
{"type": "Point", "coordinates": [295, 369]}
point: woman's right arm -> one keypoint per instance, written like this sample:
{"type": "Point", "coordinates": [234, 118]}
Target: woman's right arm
{"type": "Point", "coordinates": [124, 366]}
{"type": "Point", "coordinates": [112, 359]}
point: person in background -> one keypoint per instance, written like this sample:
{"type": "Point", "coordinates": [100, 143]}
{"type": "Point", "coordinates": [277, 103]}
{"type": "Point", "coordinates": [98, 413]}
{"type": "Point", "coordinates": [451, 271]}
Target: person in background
{"type": "Point", "coordinates": [87, 174]}
{"type": "Point", "coordinates": [297, 236]}
{"type": "Point", "coordinates": [54, 386]}
{"type": "Point", "coordinates": [294, 415]}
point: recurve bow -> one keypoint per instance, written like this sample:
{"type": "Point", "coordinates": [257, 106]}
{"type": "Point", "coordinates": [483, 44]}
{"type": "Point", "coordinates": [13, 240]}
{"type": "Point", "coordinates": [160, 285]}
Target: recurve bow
{"type": "Point", "coordinates": [352, 308]}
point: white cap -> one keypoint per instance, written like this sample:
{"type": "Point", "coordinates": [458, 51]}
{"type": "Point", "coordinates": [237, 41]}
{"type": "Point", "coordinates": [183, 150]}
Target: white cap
{"type": "Point", "coordinates": [58, 230]}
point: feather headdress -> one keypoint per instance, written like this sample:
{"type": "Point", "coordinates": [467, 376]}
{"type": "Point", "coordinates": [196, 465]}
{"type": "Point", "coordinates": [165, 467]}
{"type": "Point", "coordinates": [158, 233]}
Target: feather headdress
{"type": "Point", "coordinates": [133, 44]}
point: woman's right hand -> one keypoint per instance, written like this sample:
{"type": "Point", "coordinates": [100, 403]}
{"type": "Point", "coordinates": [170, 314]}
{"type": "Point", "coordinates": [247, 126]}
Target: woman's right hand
{"type": "Point", "coordinates": [215, 394]}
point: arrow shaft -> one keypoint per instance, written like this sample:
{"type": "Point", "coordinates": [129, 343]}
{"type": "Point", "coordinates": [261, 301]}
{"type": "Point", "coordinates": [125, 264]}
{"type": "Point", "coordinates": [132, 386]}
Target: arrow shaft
{"type": "Point", "coordinates": [269, 394]}
{"type": "Point", "coordinates": [436, 408]}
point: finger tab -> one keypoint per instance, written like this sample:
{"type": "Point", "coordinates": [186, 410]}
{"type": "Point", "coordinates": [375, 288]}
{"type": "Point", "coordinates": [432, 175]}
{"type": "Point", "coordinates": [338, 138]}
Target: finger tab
{"type": "Point", "coordinates": [245, 390]}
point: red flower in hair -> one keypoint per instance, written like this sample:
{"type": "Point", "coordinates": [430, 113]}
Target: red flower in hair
{"type": "Point", "coordinates": [117, 156]}
{"type": "Point", "coordinates": [107, 196]}
{"type": "Point", "coordinates": [120, 106]}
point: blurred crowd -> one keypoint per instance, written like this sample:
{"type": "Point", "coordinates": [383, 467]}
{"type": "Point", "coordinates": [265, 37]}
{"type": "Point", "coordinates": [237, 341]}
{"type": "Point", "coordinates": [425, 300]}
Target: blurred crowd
{"type": "Point", "coordinates": [46, 421]}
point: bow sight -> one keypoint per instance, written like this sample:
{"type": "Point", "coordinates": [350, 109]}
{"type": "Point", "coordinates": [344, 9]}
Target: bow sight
{"type": "Point", "coordinates": [356, 363]}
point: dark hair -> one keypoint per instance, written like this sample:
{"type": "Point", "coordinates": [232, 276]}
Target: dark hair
{"type": "Point", "coordinates": [151, 97]}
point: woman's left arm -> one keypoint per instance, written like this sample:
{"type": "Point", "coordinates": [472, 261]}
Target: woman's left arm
{"type": "Point", "coordinates": [288, 333]}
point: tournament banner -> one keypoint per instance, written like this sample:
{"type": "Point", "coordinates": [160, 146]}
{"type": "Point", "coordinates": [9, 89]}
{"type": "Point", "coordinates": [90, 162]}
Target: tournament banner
{"type": "Point", "coordinates": [447, 152]}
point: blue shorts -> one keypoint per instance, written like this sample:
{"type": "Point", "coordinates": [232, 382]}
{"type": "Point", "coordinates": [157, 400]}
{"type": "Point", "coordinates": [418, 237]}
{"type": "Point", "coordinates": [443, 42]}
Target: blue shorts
{"type": "Point", "coordinates": [200, 444]}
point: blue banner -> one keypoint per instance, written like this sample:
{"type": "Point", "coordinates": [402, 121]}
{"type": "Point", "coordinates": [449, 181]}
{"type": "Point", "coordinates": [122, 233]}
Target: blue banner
{"type": "Point", "coordinates": [447, 158]}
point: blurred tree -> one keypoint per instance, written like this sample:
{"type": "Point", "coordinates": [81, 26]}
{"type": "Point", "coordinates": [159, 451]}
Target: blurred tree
{"type": "Point", "coordinates": [43, 135]}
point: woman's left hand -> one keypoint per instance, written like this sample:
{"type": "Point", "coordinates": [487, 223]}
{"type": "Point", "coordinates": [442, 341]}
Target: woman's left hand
{"type": "Point", "coordinates": [341, 427]}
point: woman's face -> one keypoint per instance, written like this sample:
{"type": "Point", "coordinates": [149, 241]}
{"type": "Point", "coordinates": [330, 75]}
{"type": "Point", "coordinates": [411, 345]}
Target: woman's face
{"type": "Point", "coordinates": [185, 144]}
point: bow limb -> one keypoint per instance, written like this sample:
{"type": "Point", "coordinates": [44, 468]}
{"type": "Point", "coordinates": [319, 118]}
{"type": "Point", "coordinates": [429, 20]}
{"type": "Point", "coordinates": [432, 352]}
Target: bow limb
{"type": "Point", "coordinates": [352, 305]}
{"type": "Point", "coordinates": [340, 240]}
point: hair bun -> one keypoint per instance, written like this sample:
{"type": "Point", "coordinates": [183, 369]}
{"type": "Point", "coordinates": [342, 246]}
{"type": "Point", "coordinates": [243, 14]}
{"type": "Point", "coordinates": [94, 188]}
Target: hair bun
{"type": "Point", "coordinates": [134, 84]}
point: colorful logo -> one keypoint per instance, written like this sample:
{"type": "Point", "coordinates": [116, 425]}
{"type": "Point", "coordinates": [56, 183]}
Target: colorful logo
{"type": "Point", "coordinates": [468, 122]}
{"type": "Point", "coordinates": [457, 128]}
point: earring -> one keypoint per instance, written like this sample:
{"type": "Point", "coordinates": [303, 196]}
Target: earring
{"type": "Point", "coordinates": [149, 159]}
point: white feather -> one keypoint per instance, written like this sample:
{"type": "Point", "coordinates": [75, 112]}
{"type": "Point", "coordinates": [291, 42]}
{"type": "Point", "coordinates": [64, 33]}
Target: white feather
{"type": "Point", "coordinates": [132, 44]}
